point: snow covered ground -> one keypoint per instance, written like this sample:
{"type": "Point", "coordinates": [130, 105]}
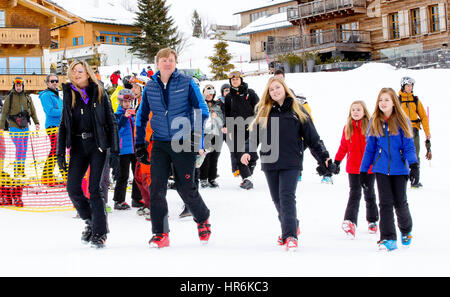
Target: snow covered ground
{"type": "Point", "coordinates": [244, 223]}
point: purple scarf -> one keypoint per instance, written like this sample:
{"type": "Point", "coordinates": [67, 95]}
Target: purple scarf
{"type": "Point", "coordinates": [84, 95]}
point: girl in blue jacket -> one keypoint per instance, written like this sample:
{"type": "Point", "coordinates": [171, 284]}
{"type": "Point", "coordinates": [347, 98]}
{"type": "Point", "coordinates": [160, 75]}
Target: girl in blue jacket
{"type": "Point", "coordinates": [390, 149]}
{"type": "Point", "coordinates": [125, 117]}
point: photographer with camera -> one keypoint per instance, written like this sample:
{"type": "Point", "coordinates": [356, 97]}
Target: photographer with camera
{"type": "Point", "coordinates": [17, 111]}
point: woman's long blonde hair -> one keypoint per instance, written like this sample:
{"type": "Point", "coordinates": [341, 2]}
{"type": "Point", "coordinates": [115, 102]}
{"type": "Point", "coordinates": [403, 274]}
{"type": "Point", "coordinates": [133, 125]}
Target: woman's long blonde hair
{"type": "Point", "coordinates": [398, 118]}
{"type": "Point", "coordinates": [92, 78]}
{"type": "Point", "coordinates": [364, 120]}
{"type": "Point", "coordinates": [263, 108]}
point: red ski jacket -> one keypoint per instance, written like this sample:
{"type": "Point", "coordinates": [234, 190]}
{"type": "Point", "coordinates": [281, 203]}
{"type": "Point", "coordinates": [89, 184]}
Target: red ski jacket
{"type": "Point", "coordinates": [353, 149]}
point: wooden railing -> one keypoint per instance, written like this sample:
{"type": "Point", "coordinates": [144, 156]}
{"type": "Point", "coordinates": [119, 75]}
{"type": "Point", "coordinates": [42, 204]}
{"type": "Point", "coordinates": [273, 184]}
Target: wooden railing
{"type": "Point", "coordinates": [314, 42]}
{"type": "Point", "coordinates": [319, 7]}
{"type": "Point", "coordinates": [19, 36]}
{"type": "Point", "coordinates": [31, 82]}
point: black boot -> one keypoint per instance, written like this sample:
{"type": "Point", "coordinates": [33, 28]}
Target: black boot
{"type": "Point", "coordinates": [98, 241]}
{"type": "Point", "coordinates": [87, 233]}
{"type": "Point", "coordinates": [185, 213]}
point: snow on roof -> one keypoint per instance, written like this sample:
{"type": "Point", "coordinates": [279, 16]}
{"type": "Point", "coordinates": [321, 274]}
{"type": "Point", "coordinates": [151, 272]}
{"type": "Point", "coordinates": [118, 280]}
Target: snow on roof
{"type": "Point", "coordinates": [267, 3]}
{"type": "Point", "coordinates": [104, 11]}
{"type": "Point", "coordinates": [266, 23]}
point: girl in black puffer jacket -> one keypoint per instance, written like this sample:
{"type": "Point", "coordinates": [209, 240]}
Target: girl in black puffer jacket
{"type": "Point", "coordinates": [286, 128]}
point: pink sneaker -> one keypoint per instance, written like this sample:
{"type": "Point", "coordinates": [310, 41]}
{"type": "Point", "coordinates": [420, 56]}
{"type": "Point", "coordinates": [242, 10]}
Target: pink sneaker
{"type": "Point", "coordinates": [373, 228]}
{"type": "Point", "coordinates": [349, 228]}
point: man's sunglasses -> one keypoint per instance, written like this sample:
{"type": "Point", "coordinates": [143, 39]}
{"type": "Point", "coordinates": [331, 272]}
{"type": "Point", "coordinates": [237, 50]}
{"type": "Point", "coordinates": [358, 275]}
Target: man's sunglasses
{"type": "Point", "coordinates": [54, 81]}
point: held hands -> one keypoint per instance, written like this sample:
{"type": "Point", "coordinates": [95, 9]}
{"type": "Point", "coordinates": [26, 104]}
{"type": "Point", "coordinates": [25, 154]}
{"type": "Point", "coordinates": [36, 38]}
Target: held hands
{"type": "Point", "coordinates": [326, 168]}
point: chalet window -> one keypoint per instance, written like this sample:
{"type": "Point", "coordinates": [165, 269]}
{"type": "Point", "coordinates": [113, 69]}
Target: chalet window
{"type": "Point", "coordinates": [33, 65]}
{"type": "Point", "coordinates": [283, 9]}
{"type": "Point", "coordinates": [16, 65]}
{"type": "Point", "coordinates": [101, 38]}
{"type": "Point", "coordinates": [2, 18]}
{"type": "Point", "coordinates": [415, 21]}
{"type": "Point", "coordinates": [3, 66]}
{"type": "Point", "coordinates": [317, 36]}
{"type": "Point", "coordinates": [349, 31]}
{"type": "Point", "coordinates": [434, 18]}
{"type": "Point", "coordinates": [78, 41]}
{"type": "Point", "coordinates": [394, 26]}
{"type": "Point", "coordinates": [257, 15]}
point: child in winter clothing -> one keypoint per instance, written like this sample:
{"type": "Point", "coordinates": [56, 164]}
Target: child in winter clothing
{"type": "Point", "coordinates": [353, 144]}
{"type": "Point", "coordinates": [126, 120]}
{"type": "Point", "coordinates": [278, 111]}
{"type": "Point", "coordinates": [390, 149]}
{"type": "Point", "coordinates": [213, 139]}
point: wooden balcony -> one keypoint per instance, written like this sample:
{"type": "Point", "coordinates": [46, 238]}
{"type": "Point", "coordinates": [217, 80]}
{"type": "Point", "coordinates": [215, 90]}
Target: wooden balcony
{"type": "Point", "coordinates": [19, 36]}
{"type": "Point", "coordinates": [342, 40]}
{"type": "Point", "coordinates": [320, 10]}
{"type": "Point", "coordinates": [32, 82]}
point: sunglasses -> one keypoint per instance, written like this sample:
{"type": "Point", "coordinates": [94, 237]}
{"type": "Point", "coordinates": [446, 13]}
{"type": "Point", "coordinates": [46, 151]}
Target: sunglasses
{"type": "Point", "coordinates": [54, 81]}
{"type": "Point", "coordinates": [18, 81]}
{"type": "Point", "coordinates": [235, 74]}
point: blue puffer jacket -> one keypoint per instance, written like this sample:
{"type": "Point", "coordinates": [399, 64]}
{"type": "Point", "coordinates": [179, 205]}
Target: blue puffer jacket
{"type": "Point", "coordinates": [52, 105]}
{"type": "Point", "coordinates": [389, 154]}
{"type": "Point", "coordinates": [126, 131]}
{"type": "Point", "coordinates": [182, 96]}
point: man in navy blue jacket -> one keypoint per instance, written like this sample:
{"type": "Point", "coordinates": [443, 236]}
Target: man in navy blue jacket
{"type": "Point", "coordinates": [52, 105]}
{"type": "Point", "coordinates": [179, 112]}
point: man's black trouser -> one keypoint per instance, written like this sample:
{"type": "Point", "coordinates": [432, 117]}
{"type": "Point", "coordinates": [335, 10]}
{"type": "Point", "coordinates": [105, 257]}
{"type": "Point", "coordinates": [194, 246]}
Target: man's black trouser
{"type": "Point", "coordinates": [84, 153]}
{"type": "Point", "coordinates": [392, 195]}
{"type": "Point", "coordinates": [282, 187]}
{"type": "Point", "coordinates": [351, 212]}
{"type": "Point", "coordinates": [183, 164]}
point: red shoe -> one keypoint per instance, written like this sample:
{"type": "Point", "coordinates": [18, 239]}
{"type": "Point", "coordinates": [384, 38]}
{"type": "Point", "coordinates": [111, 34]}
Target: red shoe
{"type": "Point", "coordinates": [291, 244]}
{"type": "Point", "coordinates": [280, 239]}
{"type": "Point", "coordinates": [373, 228]}
{"type": "Point", "coordinates": [204, 231]}
{"type": "Point", "coordinates": [349, 228]}
{"type": "Point", "coordinates": [159, 240]}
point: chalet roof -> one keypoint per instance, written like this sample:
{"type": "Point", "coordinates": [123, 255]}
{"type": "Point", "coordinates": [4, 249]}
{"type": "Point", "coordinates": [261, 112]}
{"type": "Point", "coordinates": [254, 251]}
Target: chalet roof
{"type": "Point", "coordinates": [100, 11]}
{"type": "Point", "coordinates": [58, 18]}
{"type": "Point", "coordinates": [266, 3]}
{"type": "Point", "coordinates": [266, 23]}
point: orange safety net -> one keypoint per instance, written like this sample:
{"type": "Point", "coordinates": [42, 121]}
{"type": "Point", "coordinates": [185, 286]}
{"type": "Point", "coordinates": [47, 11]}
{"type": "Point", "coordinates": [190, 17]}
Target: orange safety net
{"type": "Point", "coordinates": [31, 179]}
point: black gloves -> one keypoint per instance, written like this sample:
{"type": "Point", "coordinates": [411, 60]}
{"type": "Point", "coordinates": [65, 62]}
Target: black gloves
{"type": "Point", "coordinates": [142, 154]}
{"type": "Point", "coordinates": [364, 180]}
{"type": "Point", "coordinates": [337, 169]}
{"type": "Point", "coordinates": [428, 147]}
{"type": "Point", "coordinates": [414, 173]}
{"type": "Point", "coordinates": [323, 170]}
{"type": "Point", "coordinates": [114, 164]}
{"type": "Point", "coordinates": [61, 159]}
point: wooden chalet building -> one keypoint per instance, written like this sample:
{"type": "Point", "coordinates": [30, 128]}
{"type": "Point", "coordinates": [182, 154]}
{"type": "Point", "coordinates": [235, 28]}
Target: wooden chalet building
{"type": "Point", "coordinates": [25, 27]}
{"type": "Point", "coordinates": [351, 29]}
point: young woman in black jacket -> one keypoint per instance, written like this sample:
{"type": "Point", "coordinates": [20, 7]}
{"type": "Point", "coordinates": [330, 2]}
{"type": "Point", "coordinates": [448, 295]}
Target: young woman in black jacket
{"type": "Point", "coordinates": [88, 128]}
{"type": "Point", "coordinates": [285, 127]}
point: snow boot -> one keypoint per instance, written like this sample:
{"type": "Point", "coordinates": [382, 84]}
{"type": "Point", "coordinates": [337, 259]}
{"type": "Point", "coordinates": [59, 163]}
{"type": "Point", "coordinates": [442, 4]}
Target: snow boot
{"type": "Point", "coordinates": [406, 239]}
{"type": "Point", "coordinates": [246, 184]}
{"type": "Point", "coordinates": [98, 241]}
{"type": "Point", "coordinates": [213, 184]}
{"type": "Point", "coordinates": [387, 245]}
{"type": "Point", "coordinates": [185, 213]}
{"type": "Point", "coordinates": [204, 183]}
{"type": "Point", "coordinates": [121, 206]}
{"type": "Point", "coordinates": [87, 233]}
{"type": "Point", "coordinates": [159, 240]}
{"type": "Point", "coordinates": [373, 228]}
{"type": "Point", "coordinates": [137, 204]}
{"type": "Point", "coordinates": [291, 244]}
{"type": "Point", "coordinates": [204, 231]}
{"type": "Point", "coordinates": [349, 228]}
{"type": "Point", "coordinates": [280, 240]}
